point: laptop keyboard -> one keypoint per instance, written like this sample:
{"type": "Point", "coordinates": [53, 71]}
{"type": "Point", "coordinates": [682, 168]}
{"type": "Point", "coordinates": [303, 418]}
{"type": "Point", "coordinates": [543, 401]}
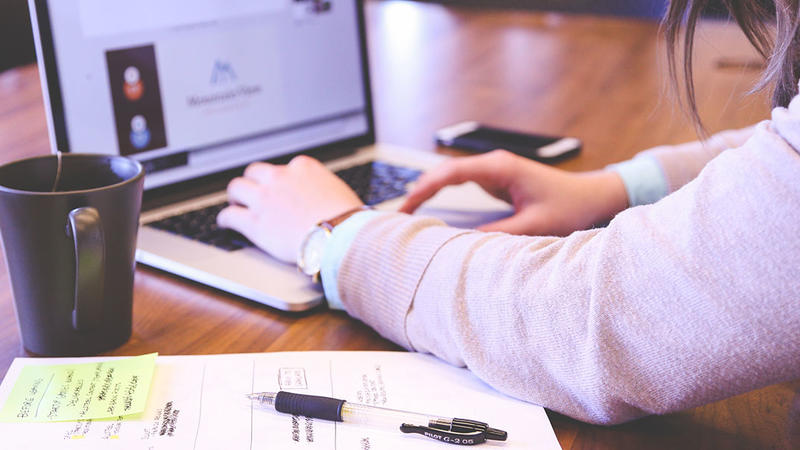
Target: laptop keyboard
{"type": "Point", "coordinates": [374, 182]}
{"type": "Point", "coordinates": [201, 225]}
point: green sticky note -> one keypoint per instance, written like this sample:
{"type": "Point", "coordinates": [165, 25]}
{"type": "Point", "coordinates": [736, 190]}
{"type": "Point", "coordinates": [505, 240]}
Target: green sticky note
{"type": "Point", "coordinates": [95, 390]}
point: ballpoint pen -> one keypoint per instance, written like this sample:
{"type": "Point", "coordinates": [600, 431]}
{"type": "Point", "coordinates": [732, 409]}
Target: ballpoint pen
{"type": "Point", "coordinates": [450, 430]}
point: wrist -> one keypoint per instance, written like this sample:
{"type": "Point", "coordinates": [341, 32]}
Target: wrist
{"type": "Point", "coordinates": [341, 239]}
{"type": "Point", "coordinates": [312, 248]}
{"type": "Point", "coordinates": [608, 194]}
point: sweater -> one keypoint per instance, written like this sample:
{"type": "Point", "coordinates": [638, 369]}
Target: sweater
{"type": "Point", "coordinates": [675, 304]}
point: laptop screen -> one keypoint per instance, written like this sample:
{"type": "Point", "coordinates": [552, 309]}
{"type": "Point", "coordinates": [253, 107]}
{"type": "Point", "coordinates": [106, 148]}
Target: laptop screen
{"type": "Point", "coordinates": [192, 87]}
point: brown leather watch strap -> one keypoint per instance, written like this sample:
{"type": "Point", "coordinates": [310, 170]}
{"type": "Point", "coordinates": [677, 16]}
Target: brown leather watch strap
{"type": "Point", "coordinates": [331, 223]}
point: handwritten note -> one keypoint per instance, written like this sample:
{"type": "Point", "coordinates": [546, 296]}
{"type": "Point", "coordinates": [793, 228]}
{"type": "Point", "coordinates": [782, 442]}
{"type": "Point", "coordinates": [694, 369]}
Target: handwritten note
{"type": "Point", "coordinates": [97, 390]}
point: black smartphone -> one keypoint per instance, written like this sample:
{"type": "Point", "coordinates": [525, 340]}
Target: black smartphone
{"type": "Point", "coordinates": [473, 136]}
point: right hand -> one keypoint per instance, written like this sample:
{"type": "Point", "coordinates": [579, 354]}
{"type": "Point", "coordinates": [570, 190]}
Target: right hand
{"type": "Point", "coordinates": [275, 206]}
{"type": "Point", "coordinates": [546, 200]}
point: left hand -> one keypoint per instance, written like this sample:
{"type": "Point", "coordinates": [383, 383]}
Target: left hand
{"type": "Point", "coordinates": [276, 206]}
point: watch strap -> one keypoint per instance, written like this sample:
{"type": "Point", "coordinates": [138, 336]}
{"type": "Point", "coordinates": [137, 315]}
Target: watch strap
{"type": "Point", "coordinates": [330, 224]}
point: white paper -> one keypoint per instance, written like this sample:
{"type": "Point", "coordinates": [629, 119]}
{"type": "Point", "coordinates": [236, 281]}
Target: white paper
{"type": "Point", "coordinates": [198, 402]}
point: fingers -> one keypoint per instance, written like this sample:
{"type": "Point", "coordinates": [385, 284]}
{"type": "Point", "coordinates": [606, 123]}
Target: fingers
{"type": "Point", "coordinates": [448, 173]}
{"type": "Point", "coordinates": [243, 191]}
{"type": "Point", "coordinates": [261, 172]}
{"type": "Point", "coordinates": [265, 173]}
{"type": "Point", "coordinates": [237, 218]}
{"type": "Point", "coordinates": [304, 161]}
{"type": "Point", "coordinates": [491, 171]}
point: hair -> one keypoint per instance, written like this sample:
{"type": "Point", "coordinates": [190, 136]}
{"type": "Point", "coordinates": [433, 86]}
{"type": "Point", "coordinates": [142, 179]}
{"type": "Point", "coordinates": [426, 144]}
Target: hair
{"type": "Point", "coordinates": [771, 27]}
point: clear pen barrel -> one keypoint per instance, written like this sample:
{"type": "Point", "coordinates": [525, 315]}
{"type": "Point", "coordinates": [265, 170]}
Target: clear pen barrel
{"type": "Point", "coordinates": [384, 417]}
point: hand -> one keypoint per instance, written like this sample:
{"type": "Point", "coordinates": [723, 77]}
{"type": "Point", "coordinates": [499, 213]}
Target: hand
{"type": "Point", "coordinates": [547, 201]}
{"type": "Point", "coordinates": [276, 206]}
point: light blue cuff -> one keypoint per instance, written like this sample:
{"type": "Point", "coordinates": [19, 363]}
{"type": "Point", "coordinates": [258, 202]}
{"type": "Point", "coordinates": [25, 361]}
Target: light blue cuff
{"type": "Point", "coordinates": [644, 179]}
{"type": "Point", "coordinates": [337, 246]}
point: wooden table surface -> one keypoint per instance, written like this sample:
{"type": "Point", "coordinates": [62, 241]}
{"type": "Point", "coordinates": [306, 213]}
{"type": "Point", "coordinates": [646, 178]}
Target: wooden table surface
{"type": "Point", "coordinates": [599, 79]}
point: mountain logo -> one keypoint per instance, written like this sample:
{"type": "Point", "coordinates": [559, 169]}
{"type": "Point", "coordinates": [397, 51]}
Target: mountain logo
{"type": "Point", "coordinates": [222, 72]}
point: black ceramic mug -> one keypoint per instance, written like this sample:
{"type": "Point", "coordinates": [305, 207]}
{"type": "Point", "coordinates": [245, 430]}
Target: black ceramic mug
{"type": "Point", "coordinates": [68, 224]}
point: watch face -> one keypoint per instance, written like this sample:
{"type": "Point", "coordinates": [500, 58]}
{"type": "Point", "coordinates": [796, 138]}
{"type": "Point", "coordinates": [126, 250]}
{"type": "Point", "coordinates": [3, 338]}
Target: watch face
{"type": "Point", "coordinates": [311, 256]}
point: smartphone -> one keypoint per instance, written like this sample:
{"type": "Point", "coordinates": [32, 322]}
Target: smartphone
{"type": "Point", "coordinates": [473, 136]}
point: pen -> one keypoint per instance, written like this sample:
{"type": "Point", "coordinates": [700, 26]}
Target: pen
{"type": "Point", "coordinates": [450, 430]}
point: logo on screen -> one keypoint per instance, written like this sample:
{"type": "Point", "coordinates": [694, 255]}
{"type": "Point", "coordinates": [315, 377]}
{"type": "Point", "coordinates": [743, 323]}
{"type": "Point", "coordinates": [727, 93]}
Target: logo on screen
{"type": "Point", "coordinates": [222, 72]}
{"type": "Point", "coordinates": [132, 86]}
{"type": "Point", "coordinates": [225, 88]}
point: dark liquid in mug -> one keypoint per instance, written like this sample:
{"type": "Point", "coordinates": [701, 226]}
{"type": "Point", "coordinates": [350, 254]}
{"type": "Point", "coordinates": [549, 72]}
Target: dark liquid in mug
{"type": "Point", "coordinates": [76, 174]}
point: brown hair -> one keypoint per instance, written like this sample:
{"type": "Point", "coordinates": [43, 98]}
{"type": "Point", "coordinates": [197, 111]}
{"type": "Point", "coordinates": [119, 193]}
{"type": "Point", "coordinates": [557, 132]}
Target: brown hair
{"type": "Point", "coordinates": [772, 28]}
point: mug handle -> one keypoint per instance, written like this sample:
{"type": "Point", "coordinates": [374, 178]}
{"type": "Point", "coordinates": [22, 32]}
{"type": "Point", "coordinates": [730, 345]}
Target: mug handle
{"type": "Point", "coordinates": [86, 230]}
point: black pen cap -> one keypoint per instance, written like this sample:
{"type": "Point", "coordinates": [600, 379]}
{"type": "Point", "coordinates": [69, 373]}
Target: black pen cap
{"type": "Point", "coordinates": [495, 434]}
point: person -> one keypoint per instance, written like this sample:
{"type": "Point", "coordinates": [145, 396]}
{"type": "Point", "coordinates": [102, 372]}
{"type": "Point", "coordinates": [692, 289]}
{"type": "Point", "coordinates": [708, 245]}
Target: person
{"type": "Point", "coordinates": [688, 295]}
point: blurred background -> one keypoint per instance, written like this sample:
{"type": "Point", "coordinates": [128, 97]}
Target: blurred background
{"type": "Point", "coordinates": [16, 42]}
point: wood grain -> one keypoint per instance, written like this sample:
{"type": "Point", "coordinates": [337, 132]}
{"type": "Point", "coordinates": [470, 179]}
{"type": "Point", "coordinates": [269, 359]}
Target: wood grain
{"type": "Point", "coordinates": [600, 79]}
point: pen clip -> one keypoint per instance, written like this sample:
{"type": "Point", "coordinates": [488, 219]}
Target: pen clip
{"type": "Point", "coordinates": [450, 437]}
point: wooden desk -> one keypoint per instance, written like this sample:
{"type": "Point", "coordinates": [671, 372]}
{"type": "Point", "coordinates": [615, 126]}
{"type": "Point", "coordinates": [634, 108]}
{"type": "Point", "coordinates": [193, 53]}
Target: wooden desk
{"type": "Point", "coordinates": [598, 79]}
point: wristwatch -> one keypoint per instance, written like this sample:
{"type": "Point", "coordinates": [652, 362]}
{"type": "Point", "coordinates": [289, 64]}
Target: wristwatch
{"type": "Point", "coordinates": [309, 256]}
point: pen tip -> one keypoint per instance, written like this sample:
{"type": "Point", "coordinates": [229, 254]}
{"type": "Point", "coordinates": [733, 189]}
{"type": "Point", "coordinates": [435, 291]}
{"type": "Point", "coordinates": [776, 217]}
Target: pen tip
{"type": "Point", "coordinates": [262, 398]}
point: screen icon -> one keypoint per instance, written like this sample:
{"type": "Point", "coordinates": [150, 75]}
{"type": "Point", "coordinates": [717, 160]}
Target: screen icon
{"type": "Point", "coordinates": [132, 85]}
{"type": "Point", "coordinates": [140, 135]}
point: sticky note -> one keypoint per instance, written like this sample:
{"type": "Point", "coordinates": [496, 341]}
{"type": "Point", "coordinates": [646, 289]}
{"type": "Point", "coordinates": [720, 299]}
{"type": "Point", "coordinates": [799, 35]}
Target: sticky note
{"type": "Point", "coordinates": [95, 390]}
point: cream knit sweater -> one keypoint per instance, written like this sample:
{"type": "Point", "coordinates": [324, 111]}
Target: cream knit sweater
{"type": "Point", "coordinates": [672, 305]}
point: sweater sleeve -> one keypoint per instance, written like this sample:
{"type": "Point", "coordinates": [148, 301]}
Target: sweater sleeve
{"type": "Point", "coordinates": [672, 305]}
{"type": "Point", "coordinates": [652, 174]}
{"type": "Point", "coordinates": [644, 180]}
{"type": "Point", "coordinates": [682, 163]}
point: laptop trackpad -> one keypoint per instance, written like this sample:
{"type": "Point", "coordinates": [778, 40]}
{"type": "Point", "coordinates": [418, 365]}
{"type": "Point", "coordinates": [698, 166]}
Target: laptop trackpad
{"type": "Point", "coordinates": [465, 206]}
{"type": "Point", "coordinates": [464, 219]}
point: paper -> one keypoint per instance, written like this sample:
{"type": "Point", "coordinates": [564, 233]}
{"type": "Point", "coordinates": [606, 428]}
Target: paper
{"type": "Point", "coordinates": [95, 390]}
{"type": "Point", "coordinates": [198, 402]}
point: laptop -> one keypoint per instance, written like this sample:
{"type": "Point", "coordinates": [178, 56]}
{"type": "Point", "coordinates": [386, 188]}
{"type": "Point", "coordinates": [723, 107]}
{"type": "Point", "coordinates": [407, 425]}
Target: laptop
{"type": "Point", "coordinates": [197, 89]}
